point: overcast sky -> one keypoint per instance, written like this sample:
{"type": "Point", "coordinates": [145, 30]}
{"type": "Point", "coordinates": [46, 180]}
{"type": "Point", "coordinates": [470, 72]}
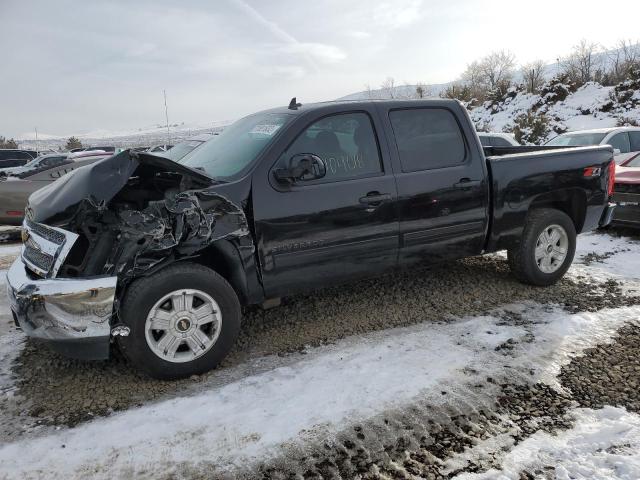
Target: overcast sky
{"type": "Point", "coordinates": [76, 66]}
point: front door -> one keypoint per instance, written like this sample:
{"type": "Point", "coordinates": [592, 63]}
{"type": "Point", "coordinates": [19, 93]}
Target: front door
{"type": "Point", "coordinates": [343, 226]}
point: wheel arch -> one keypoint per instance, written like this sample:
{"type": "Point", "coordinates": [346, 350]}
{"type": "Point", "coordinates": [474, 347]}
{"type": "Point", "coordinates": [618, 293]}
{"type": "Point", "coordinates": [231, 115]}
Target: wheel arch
{"type": "Point", "coordinates": [223, 258]}
{"type": "Point", "coordinates": [572, 201]}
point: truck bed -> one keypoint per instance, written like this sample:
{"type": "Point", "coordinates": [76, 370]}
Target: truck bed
{"type": "Point", "coordinates": [528, 175]}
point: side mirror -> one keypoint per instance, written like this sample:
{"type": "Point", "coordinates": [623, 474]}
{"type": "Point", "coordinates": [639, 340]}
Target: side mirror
{"type": "Point", "coordinates": [303, 167]}
{"type": "Point", "coordinates": [616, 151]}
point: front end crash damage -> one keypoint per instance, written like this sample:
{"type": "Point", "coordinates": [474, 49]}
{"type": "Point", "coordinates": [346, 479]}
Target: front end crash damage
{"type": "Point", "coordinates": [134, 214]}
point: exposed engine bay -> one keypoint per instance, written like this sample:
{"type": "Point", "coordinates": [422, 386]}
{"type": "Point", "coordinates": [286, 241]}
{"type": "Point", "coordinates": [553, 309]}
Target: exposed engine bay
{"type": "Point", "coordinates": [134, 213]}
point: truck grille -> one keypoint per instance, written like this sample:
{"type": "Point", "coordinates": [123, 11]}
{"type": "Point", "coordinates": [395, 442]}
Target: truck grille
{"type": "Point", "coordinates": [35, 257]}
{"type": "Point", "coordinates": [45, 232]}
{"type": "Point", "coordinates": [45, 248]}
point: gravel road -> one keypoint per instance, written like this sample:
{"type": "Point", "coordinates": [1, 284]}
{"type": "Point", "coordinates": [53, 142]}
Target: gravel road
{"type": "Point", "coordinates": [55, 391]}
{"type": "Point", "coordinates": [43, 391]}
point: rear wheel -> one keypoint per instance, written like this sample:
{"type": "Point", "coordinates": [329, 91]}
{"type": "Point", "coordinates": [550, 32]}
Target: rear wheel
{"type": "Point", "coordinates": [546, 249]}
{"type": "Point", "coordinates": [183, 321]}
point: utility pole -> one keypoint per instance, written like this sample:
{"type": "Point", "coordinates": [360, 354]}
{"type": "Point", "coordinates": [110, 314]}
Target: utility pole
{"type": "Point", "coordinates": [533, 72]}
{"type": "Point", "coordinates": [166, 116]}
{"type": "Point", "coordinates": [37, 151]}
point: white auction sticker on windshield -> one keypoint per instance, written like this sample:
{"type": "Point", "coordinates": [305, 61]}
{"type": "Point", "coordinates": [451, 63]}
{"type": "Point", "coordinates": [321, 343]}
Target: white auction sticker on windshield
{"type": "Point", "coordinates": [265, 129]}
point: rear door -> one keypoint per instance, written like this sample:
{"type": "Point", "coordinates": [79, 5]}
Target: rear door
{"type": "Point", "coordinates": [443, 194]}
{"type": "Point", "coordinates": [330, 230]}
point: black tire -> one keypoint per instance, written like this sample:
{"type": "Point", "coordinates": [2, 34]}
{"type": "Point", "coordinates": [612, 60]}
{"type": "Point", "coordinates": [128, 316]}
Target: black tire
{"type": "Point", "coordinates": [142, 295]}
{"type": "Point", "coordinates": [522, 259]}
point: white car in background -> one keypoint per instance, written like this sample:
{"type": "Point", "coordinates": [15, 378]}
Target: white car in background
{"type": "Point", "coordinates": [497, 139]}
{"type": "Point", "coordinates": [624, 140]}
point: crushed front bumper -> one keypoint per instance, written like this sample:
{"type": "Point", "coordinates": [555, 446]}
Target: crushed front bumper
{"type": "Point", "coordinates": [71, 315]}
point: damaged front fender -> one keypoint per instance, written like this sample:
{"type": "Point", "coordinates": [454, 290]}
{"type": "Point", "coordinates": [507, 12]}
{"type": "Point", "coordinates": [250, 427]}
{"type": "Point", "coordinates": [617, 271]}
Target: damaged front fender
{"type": "Point", "coordinates": [178, 226]}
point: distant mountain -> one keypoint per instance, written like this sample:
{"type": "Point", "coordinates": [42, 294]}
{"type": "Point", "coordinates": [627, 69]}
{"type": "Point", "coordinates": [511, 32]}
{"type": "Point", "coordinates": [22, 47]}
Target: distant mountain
{"type": "Point", "coordinates": [151, 135]}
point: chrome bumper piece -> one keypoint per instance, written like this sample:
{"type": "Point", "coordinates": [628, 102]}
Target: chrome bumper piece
{"type": "Point", "coordinates": [73, 315]}
{"type": "Point", "coordinates": [607, 214]}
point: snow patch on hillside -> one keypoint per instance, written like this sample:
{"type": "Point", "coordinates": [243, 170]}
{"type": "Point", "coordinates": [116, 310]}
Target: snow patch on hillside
{"type": "Point", "coordinates": [590, 106]}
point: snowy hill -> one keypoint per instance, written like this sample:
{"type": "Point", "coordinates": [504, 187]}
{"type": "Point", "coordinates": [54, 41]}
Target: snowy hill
{"type": "Point", "coordinates": [604, 60]}
{"type": "Point", "coordinates": [587, 107]}
{"type": "Point", "coordinates": [150, 135]}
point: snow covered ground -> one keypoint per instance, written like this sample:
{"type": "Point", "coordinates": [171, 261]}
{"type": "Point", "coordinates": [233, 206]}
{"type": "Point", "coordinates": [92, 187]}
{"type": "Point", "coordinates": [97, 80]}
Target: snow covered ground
{"type": "Point", "coordinates": [603, 445]}
{"type": "Point", "coordinates": [324, 390]}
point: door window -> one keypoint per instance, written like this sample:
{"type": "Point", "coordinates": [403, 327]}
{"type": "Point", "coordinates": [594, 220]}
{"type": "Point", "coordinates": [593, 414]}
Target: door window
{"type": "Point", "coordinates": [634, 138]}
{"type": "Point", "coordinates": [427, 138]}
{"type": "Point", "coordinates": [347, 144]}
{"type": "Point", "coordinates": [621, 142]}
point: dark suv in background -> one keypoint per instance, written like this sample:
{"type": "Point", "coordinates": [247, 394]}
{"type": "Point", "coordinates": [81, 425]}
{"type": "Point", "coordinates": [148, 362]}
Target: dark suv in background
{"type": "Point", "coordinates": [10, 157]}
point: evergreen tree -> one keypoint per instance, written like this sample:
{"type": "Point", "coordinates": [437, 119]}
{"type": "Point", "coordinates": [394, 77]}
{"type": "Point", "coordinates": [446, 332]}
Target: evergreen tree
{"type": "Point", "coordinates": [72, 143]}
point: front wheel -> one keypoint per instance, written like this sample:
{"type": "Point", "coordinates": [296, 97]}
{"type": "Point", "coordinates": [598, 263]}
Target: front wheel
{"type": "Point", "coordinates": [183, 321]}
{"type": "Point", "coordinates": [546, 248]}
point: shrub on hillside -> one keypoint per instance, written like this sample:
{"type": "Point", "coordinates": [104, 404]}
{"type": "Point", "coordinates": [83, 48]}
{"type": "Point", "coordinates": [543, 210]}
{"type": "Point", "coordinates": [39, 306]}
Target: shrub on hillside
{"type": "Point", "coordinates": [627, 122]}
{"type": "Point", "coordinates": [530, 128]}
{"type": "Point", "coordinates": [483, 126]}
{"type": "Point", "coordinates": [459, 92]}
{"type": "Point", "coordinates": [557, 89]}
{"type": "Point", "coordinates": [501, 94]}
{"type": "Point", "coordinates": [627, 94]}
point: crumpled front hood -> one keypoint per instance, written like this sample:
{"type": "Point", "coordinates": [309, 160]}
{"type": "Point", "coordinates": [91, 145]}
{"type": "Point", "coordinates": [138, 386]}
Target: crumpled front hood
{"type": "Point", "coordinates": [98, 183]}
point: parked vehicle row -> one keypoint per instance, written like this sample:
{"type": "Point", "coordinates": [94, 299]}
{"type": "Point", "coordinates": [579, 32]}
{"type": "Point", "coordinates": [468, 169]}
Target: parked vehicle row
{"type": "Point", "coordinates": [626, 144]}
{"type": "Point", "coordinates": [497, 139]}
{"type": "Point", "coordinates": [159, 256]}
{"type": "Point", "coordinates": [10, 157]}
{"type": "Point", "coordinates": [17, 185]}
{"type": "Point", "coordinates": [18, 182]}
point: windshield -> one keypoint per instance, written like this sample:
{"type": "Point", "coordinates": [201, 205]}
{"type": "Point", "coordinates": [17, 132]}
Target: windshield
{"type": "Point", "coordinates": [577, 139]}
{"type": "Point", "coordinates": [180, 150]}
{"type": "Point", "coordinates": [34, 163]}
{"type": "Point", "coordinates": [237, 146]}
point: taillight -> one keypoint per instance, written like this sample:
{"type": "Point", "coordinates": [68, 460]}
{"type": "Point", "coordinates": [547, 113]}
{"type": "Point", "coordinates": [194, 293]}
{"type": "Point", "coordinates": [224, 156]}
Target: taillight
{"type": "Point", "coordinates": [612, 178]}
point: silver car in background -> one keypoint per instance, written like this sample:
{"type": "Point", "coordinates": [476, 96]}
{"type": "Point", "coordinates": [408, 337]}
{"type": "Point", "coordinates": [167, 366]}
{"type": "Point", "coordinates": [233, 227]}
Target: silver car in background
{"type": "Point", "coordinates": [19, 182]}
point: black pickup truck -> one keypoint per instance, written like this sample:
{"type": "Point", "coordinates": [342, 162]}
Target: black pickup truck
{"type": "Point", "coordinates": [159, 257]}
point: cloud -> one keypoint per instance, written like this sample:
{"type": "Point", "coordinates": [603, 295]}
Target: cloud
{"type": "Point", "coordinates": [359, 34]}
{"type": "Point", "coordinates": [319, 51]}
{"type": "Point", "coordinates": [397, 14]}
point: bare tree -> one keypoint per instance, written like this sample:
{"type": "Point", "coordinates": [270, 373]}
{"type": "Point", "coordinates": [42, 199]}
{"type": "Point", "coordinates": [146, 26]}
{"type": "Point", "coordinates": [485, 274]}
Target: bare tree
{"type": "Point", "coordinates": [369, 91]}
{"type": "Point", "coordinates": [8, 143]}
{"type": "Point", "coordinates": [533, 75]}
{"type": "Point", "coordinates": [497, 68]}
{"type": "Point", "coordinates": [625, 56]}
{"type": "Point", "coordinates": [389, 88]}
{"type": "Point", "coordinates": [494, 70]}
{"type": "Point", "coordinates": [421, 90]}
{"type": "Point", "coordinates": [583, 62]}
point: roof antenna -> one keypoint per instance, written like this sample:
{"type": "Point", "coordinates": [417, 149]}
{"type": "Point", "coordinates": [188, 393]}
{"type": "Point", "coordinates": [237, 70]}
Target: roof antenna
{"type": "Point", "coordinates": [293, 105]}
